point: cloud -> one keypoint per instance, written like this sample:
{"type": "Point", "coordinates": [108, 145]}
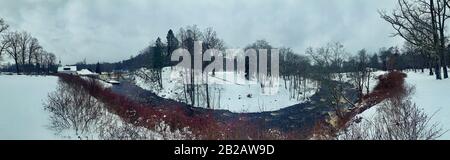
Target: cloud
{"type": "Point", "coordinates": [113, 30]}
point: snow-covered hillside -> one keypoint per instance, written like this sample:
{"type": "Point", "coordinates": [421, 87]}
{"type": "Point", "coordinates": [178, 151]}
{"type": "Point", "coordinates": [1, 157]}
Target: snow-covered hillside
{"type": "Point", "coordinates": [236, 95]}
{"type": "Point", "coordinates": [430, 94]}
{"type": "Point", "coordinates": [22, 115]}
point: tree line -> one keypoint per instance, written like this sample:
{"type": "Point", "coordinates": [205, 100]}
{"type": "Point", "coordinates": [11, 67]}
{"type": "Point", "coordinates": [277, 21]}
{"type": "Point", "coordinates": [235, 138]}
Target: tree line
{"type": "Point", "coordinates": [26, 52]}
{"type": "Point", "coordinates": [318, 64]}
{"type": "Point", "coordinates": [295, 69]}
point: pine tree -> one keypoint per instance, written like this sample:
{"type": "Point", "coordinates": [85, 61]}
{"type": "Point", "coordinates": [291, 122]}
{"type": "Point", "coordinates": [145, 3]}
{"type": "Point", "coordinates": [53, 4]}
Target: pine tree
{"type": "Point", "coordinates": [172, 45]}
{"type": "Point", "coordinates": [375, 61]}
{"type": "Point", "coordinates": [158, 60]}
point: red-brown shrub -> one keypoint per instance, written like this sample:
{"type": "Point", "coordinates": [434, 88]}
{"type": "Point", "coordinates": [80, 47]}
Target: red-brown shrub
{"type": "Point", "coordinates": [147, 115]}
{"type": "Point", "coordinates": [389, 85]}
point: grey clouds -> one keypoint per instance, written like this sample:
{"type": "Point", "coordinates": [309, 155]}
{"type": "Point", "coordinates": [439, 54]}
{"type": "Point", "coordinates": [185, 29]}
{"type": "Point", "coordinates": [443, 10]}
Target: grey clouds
{"type": "Point", "coordinates": [114, 30]}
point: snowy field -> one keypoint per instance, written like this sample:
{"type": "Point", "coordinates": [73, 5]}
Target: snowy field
{"type": "Point", "coordinates": [431, 95]}
{"type": "Point", "coordinates": [235, 94]}
{"type": "Point", "coordinates": [22, 115]}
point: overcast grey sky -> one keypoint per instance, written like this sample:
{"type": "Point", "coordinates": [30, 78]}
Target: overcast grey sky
{"type": "Point", "coordinates": [113, 30]}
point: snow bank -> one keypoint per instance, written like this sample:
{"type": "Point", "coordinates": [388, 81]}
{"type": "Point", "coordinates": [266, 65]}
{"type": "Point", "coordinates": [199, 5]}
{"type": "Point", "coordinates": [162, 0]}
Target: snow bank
{"type": "Point", "coordinates": [430, 94]}
{"type": "Point", "coordinates": [22, 115]}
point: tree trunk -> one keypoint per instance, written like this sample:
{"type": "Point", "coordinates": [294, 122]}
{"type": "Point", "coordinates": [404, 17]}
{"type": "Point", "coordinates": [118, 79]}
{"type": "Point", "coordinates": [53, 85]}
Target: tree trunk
{"type": "Point", "coordinates": [23, 61]}
{"type": "Point", "coordinates": [208, 105]}
{"type": "Point", "coordinates": [37, 70]}
{"type": "Point", "coordinates": [17, 66]}
{"type": "Point", "coordinates": [443, 57]}
{"type": "Point", "coordinates": [436, 41]}
{"type": "Point", "coordinates": [192, 88]}
{"type": "Point", "coordinates": [445, 71]}
{"type": "Point", "coordinates": [442, 50]}
{"type": "Point", "coordinates": [30, 65]}
{"type": "Point", "coordinates": [431, 68]}
{"type": "Point", "coordinates": [444, 66]}
{"type": "Point", "coordinates": [160, 78]}
{"type": "Point", "coordinates": [185, 92]}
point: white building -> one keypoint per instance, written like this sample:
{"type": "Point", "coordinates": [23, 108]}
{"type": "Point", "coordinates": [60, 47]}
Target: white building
{"type": "Point", "coordinates": [72, 70]}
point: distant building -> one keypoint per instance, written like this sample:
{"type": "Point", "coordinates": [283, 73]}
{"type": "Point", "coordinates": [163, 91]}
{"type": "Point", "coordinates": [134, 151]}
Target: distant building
{"type": "Point", "coordinates": [72, 70]}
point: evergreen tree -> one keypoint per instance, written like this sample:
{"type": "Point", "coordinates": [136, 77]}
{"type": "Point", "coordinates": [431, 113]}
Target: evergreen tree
{"type": "Point", "coordinates": [158, 60]}
{"type": "Point", "coordinates": [172, 44]}
{"type": "Point", "coordinates": [374, 62]}
{"type": "Point", "coordinates": [158, 54]}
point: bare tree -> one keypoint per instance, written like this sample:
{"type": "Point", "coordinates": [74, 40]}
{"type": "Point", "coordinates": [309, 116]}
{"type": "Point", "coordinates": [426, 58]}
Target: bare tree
{"type": "Point", "coordinates": [73, 108]}
{"type": "Point", "coordinates": [12, 40]}
{"type": "Point", "coordinates": [75, 113]}
{"type": "Point", "coordinates": [361, 73]}
{"type": "Point", "coordinates": [48, 61]}
{"type": "Point", "coordinates": [188, 38]}
{"type": "Point", "coordinates": [422, 23]}
{"type": "Point", "coordinates": [33, 49]}
{"type": "Point", "coordinates": [16, 45]}
{"type": "Point", "coordinates": [294, 68]}
{"type": "Point", "coordinates": [24, 40]}
{"type": "Point", "coordinates": [328, 64]}
{"type": "Point", "coordinates": [210, 41]}
{"type": "Point", "coordinates": [3, 43]}
{"type": "Point", "coordinates": [37, 58]}
{"type": "Point", "coordinates": [3, 25]}
{"type": "Point", "coordinates": [24, 50]}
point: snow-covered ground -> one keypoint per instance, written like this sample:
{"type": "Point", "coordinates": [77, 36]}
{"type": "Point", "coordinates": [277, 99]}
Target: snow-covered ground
{"type": "Point", "coordinates": [22, 115]}
{"type": "Point", "coordinates": [434, 96]}
{"type": "Point", "coordinates": [430, 94]}
{"type": "Point", "coordinates": [235, 94]}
